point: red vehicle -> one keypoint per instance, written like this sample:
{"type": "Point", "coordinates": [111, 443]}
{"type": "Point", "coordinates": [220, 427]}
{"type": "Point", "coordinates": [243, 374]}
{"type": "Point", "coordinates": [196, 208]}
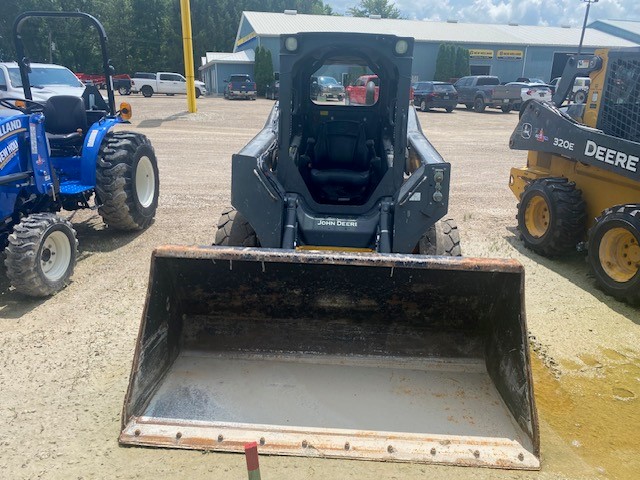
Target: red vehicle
{"type": "Point", "coordinates": [357, 93]}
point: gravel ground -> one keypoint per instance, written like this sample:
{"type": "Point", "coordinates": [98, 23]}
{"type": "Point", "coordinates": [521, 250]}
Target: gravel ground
{"type": "Point", "coordinates": [65, 360]}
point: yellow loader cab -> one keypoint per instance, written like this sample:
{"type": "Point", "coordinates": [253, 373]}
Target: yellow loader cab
{"type": "Point", "coordinates": [581, 186]}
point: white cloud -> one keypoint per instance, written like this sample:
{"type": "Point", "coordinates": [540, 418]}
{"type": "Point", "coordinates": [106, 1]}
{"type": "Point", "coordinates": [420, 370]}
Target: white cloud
{"type": "Point", "coordinates": [524, 12]}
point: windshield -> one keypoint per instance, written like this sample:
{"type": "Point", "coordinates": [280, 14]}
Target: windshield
{"type": "Point", "coordinates": [443, 88]}
{"type": "Point", "coordinates": [327, 80]}
{"type": "Point", "coordinates": [43, 76]}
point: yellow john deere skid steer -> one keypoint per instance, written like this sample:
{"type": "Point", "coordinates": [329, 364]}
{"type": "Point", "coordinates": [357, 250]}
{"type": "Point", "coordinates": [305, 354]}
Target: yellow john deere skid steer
{"type": "Point", "coordinates": [322, 323]}
{"type": "Point", "coordinates": [581, 186]}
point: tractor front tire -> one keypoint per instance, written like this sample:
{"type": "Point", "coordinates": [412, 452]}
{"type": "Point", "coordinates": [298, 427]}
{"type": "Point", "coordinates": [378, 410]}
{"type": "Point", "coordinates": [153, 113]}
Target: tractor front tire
{"type": "Point", "coordinates": [147, 91]}
{"type": "Point", "coordinates": [127, 181]}
{"type": "Point", "coordinates": [443, 238]}
{"type": "Point", "coordinates": [551, 216]}
{"type": "Point", "coordinates": [41, 254]}
{"type": "Point", "coordinates": [235, 231]}
{"type": "Point", "coordinates": [614, 252]}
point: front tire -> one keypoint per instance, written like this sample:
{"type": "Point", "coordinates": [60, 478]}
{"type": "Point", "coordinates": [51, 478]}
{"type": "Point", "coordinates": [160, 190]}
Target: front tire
{"type": "Point", "coordinates": [147, 91]}
{"type": "Point", "coordinates": [551, 216]}
{"type": "Point", "coordinates": [614, 252]}
{"type": "Point", "coordinates": [443, 238]}
{"type": "Point", "coordinates": [127, 181]}
{"type": "Point", "coordinates": [41, 254]}
{"type": "Point", "coordinates": [479, 105]}
{"type": "Point", "coordinates": [235, 231]}
{"type": "Point", "coordinates": [423, 106]}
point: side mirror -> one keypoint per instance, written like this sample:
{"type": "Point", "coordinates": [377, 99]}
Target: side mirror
{"type": "Point", "coordinates": [370, 94]}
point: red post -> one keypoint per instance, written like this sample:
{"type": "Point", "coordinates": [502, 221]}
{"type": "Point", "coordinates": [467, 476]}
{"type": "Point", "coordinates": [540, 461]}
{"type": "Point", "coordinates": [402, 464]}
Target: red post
{"type": "Point", "coordinates": [251, 454]}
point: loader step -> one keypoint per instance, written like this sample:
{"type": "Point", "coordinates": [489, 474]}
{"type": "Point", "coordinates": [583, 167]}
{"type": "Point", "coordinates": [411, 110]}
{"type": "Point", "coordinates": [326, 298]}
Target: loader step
{"type": "Point", "coordinates": [72, 187]}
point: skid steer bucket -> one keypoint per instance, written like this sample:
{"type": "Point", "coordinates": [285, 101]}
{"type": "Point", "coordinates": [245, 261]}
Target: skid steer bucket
{"type": "Point", "coordinates": [359, 355]}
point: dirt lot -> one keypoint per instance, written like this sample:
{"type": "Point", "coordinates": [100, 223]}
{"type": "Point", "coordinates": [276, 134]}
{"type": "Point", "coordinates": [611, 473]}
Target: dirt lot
{"type": "Point", "coordinates": [65, 360]}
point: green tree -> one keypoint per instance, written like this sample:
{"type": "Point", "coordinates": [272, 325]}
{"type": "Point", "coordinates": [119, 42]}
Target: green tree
{"type": "Point", "coordinates": [462, 62]}
{"type": "Point", "coordinates": [384, 8]}
{"type": "Point", "coordinates": [263, 69]}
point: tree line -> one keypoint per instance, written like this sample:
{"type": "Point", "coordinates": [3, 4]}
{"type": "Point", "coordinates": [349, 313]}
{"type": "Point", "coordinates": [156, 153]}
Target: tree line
{"type": "Point", "coordinates": [144, 35]}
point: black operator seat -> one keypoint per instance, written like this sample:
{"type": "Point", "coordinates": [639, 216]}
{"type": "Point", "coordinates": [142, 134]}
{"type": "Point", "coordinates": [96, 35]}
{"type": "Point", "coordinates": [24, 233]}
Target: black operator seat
{"type": "Point", "coordinates": [342, 155]}
{"type": "Point", "coordinates": [65, 120]}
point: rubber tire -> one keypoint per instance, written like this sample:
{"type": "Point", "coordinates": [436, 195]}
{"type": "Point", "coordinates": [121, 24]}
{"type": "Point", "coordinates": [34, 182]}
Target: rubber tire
{"type": "Point", "coordinates": [627, 216]}
{"type": "Point", "coordinates": [423, 106]}
{"type": "Point", "coordinates": [479, 105]}
{"type": "Point", "coordinates": [24, 251]}
{"type": "Point", "coordinates": [146, 91]}
{"type": "Point", "coordinates": [567, 216]}
{"type": "Point", "coordinates": [443, 238]}
{"type": "Point", "coordinates": [198, 93]}
{"type": "Point", "coordinates": [235, 231]}
{"type": "Point", "coordinates": [505, 108]}
{"type": "Point", "coordinates": [469, 106]}
{"type": "Point", "coordinates": [449, 109]}
{"type": "Point", "coordinates": [580, 96]}
{"type": "Point", "coordinates": [124, 91]}
{"type": "Point", "coordinates": [118, 159]}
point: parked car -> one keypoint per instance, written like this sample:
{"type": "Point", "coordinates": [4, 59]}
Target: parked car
{"type": "Point", "coordinates": [327, 87]}
{"type": "Point", "coordinates": [240, 86]}
{"type": "Point", "coordinates": [364, 91]}
{"type": "Point", "coordinates": [46, 81]}
{"type": "Point", "coordinates": [579, 91]}
{"type": "Point", "coordinates": [539, 91]}
{"type": "Point", "coordinates": [477, 92]}
{"type": "Point", "coordinates": [428, 95]}
{"type": "Point", "coordinates": [272, 90]}
{"type": "Point", "coordinates": [164, 82]}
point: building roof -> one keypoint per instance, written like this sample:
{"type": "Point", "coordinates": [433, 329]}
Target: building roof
{"type": "Point", "coordinates": [628, 29]}
{"type": "Point", "coordinates": [245, 56]}
{"type": "Point", "coordinates": [268, 24]}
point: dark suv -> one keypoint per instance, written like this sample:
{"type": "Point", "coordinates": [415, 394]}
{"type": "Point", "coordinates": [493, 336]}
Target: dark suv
{"type": "Point", "coordinates": [427, 95]}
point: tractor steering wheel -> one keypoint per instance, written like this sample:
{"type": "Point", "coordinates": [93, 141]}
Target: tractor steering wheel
{"type": "Point", "coordinates": [30, 105]}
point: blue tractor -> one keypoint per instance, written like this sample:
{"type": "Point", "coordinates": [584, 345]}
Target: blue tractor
{"type": "Point", "coordinates": [64, 154]}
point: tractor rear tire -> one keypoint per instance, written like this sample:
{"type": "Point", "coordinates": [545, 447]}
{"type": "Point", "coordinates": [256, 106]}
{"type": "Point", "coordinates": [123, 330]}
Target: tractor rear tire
{"type": "Point", "coordinates": [479, 105]}
{"type": "Point", "coordinates": [127, 181]}
{"type": "Point", "coordinates": [147, 91]}
{"type": "Point", "coordinates": [551, 216]}
{"type": "Point", "coordinates": [41, 254]}
{"type": "Point", "coordinates": [235, 231]}
{"type": "Point", "coordinates": [614, 252]}
{"type": "Point", "coordinates": [443, 238]}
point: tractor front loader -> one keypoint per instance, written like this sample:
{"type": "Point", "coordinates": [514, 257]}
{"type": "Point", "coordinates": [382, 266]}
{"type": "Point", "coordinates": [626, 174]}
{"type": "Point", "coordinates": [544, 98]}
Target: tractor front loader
{"type": "Point", "coordinates": [322, 323]}
{"type": "Point", "coordinates": [581, 186]}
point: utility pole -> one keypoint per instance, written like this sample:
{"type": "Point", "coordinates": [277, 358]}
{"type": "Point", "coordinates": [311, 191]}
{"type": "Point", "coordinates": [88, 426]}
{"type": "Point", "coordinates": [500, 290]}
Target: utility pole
{"type": "Point", "coordinates": [187, 46]}
{"type": "Point", "coordinates": [584, 25]}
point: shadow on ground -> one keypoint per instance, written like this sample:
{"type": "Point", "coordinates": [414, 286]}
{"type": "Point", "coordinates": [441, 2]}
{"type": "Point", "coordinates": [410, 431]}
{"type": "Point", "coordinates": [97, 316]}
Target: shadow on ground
{"type": "Point", "coordinates": [156, 122]}
{"type": "Point", "coordinates": [93, 237]}
{"type": "Point", "coordinates": [574, 268]}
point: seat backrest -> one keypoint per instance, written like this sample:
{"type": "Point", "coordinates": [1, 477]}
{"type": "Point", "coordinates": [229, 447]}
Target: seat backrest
{"type": "Point", "coordinates": [341, 144]}
{"type": "Point", "coordinates": [64, 114]}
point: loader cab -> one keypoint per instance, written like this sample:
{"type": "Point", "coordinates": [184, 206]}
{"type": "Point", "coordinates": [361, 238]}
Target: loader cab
{"type": "Point", "coordinates": [343, 138]}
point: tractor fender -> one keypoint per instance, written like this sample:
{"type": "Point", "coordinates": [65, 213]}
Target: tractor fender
{"type": "Point", "coordinates": [92, 141]}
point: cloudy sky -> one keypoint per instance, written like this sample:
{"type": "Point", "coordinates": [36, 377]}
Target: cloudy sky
{"type": "Point", "coordinates": [524, 12]}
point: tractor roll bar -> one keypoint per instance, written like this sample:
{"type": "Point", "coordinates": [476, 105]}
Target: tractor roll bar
{"type": "Point", "coordinates": [22, 59]}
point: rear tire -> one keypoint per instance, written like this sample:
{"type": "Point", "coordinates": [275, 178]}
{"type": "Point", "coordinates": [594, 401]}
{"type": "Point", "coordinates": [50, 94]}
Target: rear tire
{"type": "Point", "coordinates": [614, 252]}
{"type": "Point", "coordinates": [235, 231]}
{"type": "Point", "coordinates": [41, 254]}
{"type": "Point", "coordinates": [580, 96]}
{"type": "Point", "coordinates": [127, 181]}
{"type": "Point", "coordinates": [479, 105]}
{"type": "Point", "coordinates": [124, 91]}
{"type": "Point", "coordinates": [147, 91]}
{"type": "Point", "coordinates": [423, 106]}
{"type": "Point", "coordinates": [551, 216]}
{"type": "Point", "coordinates": [443, 238]}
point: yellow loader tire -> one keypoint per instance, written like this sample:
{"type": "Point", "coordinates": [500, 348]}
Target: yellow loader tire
{"type": "Point", "coordinates": [235, 231]}
{"type": "Point", "coordinates": [614, 252]}
{"type": "Point", "coordinates": [551, 216]}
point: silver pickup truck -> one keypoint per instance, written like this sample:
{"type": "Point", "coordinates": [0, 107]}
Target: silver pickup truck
{"type": "Point", "coordinates": [478, 92]}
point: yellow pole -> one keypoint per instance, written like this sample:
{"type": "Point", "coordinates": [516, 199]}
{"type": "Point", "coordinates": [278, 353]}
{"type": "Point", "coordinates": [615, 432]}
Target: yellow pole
{"type": "Point", "coordinates": [187, 45]}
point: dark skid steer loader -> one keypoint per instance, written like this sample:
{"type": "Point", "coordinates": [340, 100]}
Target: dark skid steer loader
{"type": "Point", "coordinates": [315, 327]}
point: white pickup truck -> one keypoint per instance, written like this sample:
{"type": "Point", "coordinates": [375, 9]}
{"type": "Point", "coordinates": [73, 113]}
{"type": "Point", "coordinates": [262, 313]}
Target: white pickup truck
{"type": "Point", "coordinates": [46, 81]}
{"type": "Point", "coordinates": [164, 82]}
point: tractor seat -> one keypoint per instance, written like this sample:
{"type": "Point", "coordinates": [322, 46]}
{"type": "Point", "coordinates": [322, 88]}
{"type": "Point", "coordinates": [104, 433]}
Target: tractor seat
{"type": "Point", "coordinates": [65, 120]}
{"type": "Point", "coordinates": [342, 156]}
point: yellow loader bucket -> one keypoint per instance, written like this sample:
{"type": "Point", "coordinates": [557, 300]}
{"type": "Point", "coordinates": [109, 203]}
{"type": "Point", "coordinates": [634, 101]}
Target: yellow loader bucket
{"type": "Point", "coordinates": [327, 354]}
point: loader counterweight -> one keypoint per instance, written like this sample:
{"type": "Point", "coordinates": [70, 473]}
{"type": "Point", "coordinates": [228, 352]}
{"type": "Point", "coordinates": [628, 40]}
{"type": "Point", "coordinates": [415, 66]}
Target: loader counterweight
{"type": "Point", "coordinates": [396, 356]}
